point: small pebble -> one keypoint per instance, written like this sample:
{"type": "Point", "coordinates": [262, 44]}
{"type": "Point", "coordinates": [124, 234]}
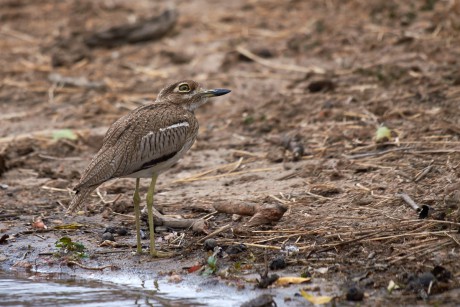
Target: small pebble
{"type": "Point", "coordinates": [441, 273]}
{"type": "Point", "coordinates": [266, 281]}
{"type": "Point", "coordinates": [260, 301]}
{"type": "Point", "coordinates": [110, 229]}
{"type": "Point", "coordinates": [354, 294]}
{"type": "Point", "coordinates": [122, 231]}
{"type": "Point", "coordinates": [209, 244]}
{"type": "Point", "coordinates": [278, 264]}
{"type": "Point", "coordinates": [426, 278]}
{"type": "Point", "coordinates": [175, 278]}
{"type": "Point", "coordinates": [108, 236]}
{"type": "Point", "coordinates": [236, 249]}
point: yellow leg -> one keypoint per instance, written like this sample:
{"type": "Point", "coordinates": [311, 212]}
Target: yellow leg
{"type": "Point", "coordinates": [153, 251]}
{"type": "Point", "coordinates": [137, 211]}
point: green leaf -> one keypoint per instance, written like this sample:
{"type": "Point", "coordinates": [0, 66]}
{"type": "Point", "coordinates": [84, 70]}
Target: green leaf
{"type": "Point", "coordinates": [64, 134]}
{"type": "Point", "coordinates": [382, 135]}
{"type": "Point", "coordinates": [212, 262]}
{"type": "Point", "coordinates": [63, 242]}
{"type": "Point", "coordinates": [79, 247]}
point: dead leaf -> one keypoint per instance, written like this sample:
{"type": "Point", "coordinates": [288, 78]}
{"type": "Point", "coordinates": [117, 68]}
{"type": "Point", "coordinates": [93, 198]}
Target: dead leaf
{"type": "Point", "coordinates": [317, 300]}
{"type": "Point", "coordinates": [392, 286]}
{"type": "Point", "coordinates": [109, 243]}
{"type": "Point", "coordinates": [38, 224]}
{"type": "Point", "coordinates": [195, 268]}
{"type": "Point", "coordinates": [283, 281]}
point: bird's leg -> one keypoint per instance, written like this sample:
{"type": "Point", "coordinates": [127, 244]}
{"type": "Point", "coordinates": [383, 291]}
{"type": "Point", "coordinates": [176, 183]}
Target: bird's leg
{"type": "Point", "coordinates": [137, 211]}
{"type": "Point", "coordinates": [153, 251]}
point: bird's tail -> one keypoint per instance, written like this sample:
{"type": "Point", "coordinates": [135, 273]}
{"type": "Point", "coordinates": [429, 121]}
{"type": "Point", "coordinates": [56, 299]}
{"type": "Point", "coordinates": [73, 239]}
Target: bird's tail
{"type": "Point", "coordinates": [78, 199]}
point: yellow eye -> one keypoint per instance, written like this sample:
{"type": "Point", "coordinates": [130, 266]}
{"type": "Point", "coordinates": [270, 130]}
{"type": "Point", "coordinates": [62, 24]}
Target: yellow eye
{"type": "Point", "coordinates": [184, 88]}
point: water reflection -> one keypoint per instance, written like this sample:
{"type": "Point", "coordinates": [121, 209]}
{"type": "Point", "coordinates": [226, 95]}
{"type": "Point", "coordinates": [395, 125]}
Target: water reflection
{"type": "Point", "coordinates": [61, 290]}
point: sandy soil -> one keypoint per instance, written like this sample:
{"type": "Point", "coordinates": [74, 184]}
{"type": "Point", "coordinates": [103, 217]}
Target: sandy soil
{"type": "Point", "coordinates": [311, 77]}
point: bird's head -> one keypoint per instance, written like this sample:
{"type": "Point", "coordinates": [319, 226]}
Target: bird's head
{"type": "Point", "coordinates": [188, 94]}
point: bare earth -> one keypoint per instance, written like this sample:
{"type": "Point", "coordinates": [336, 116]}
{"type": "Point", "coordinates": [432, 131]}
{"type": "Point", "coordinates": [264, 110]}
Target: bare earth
{"type": "Point", "coordinates": [312, 76]}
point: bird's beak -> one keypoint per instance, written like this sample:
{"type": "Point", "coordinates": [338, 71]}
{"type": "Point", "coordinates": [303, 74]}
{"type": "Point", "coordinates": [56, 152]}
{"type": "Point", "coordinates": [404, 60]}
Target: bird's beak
{"type": "Point", "coordinates": [215, 92]}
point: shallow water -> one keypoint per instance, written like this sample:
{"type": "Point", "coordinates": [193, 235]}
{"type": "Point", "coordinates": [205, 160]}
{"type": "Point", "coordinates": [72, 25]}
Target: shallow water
{"type": "Point", "coordinates": [62, 290]}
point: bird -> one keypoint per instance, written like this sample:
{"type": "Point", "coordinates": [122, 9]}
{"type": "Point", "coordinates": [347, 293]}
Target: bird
{"type": "Point", "coordinates": [144, 143]}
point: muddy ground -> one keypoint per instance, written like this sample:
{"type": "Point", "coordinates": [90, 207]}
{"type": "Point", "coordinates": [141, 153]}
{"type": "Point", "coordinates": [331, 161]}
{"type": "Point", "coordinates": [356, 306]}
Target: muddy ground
{"type": "Point", "coordinates": [311, 81]}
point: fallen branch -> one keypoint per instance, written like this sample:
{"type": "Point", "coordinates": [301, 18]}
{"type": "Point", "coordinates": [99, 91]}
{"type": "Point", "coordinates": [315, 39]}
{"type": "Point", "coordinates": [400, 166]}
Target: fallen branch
{"type": "Point", "coordinates": [214, 233]}
{"type": "Point", "coordinates": [423, 173]}
{"type": "Point", "coordinates": [376, 153]}
{"type": "Point", "coordinates": [264, 62]}
{"type": "Point", "coordinates": [261, 213]}
{"type": "Point", "coordinates": [145, 30]}
{"type": "Point", "coordinates": [197, 225]}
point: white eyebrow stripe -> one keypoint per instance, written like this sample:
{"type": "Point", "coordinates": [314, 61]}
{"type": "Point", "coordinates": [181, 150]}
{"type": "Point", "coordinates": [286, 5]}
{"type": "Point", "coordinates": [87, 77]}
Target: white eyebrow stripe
{"type": "Point", "coordinates": [182, 124]}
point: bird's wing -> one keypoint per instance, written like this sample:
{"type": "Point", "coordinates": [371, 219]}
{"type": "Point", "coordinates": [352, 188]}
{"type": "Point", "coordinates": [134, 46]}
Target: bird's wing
{"type": "Point", "coordinates": [138, 141]}
{"type": "Point", "coordinates": [157, 144]}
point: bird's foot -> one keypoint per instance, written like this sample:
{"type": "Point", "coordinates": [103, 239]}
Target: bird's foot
{"type": "Point", "coordinates": [158, 254]}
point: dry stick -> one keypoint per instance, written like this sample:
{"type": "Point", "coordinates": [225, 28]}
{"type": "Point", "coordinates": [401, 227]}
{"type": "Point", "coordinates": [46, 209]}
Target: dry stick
{"type": "Point", "coordinates": [285, 236]}
{"type": "Point", "coordinates": [438, 151]}
{"type": "Point", "coordinates": [238, 164]}
{"type": "Point", "coordinates": [248, 154]}
{"type": "Point", "coordinates": [105, 202]}
{"type": "Point", "coordinates": [431, 221]}
{"type": "Point", "coordinates": [424, 252]}
{"type": "Point", "coordinates": [419, 229]}
{"type": "Point", "coordinates": [409, 201]}
{"type": "Point", "coordinates": [337, 244]}
{"type": "Point", "coordinates": [415, 249]}
{"type": "Point", "coordinates": [423, 173]}
{"type": "Point", "coordinates": [214, 233]}
{"type": "Point", "coordinates": [376, 153]}
{"type": "Point", "coordinates": [415, 245]}
{"type": "Point", "coordinates": [258, 245]}
{"type": "Point", "coordinates": [264, 62]}
{"type": "Point", "coordinates": [44, 187]}
{"type": "Point", "coordinates": [227, 175]}
{"type": "Point", "coordinates": [277, 231]}
{"type": "Point", "coordinates": [318, 196]}
{"type": "Point", "coordinates": [60, 158]}
{"type": "Point", "coordinates": [121, 214]}
{"type": "Point", "coordinates": [423, 211]}
{"type": "Point", "coordinates": [417, 234]}
{"type": "Point", "coordinates": [231, 166]}
{"type": "Point", "coordinates": [454, 239]}
{"type": "Point", "coordinates": [418, 245]}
